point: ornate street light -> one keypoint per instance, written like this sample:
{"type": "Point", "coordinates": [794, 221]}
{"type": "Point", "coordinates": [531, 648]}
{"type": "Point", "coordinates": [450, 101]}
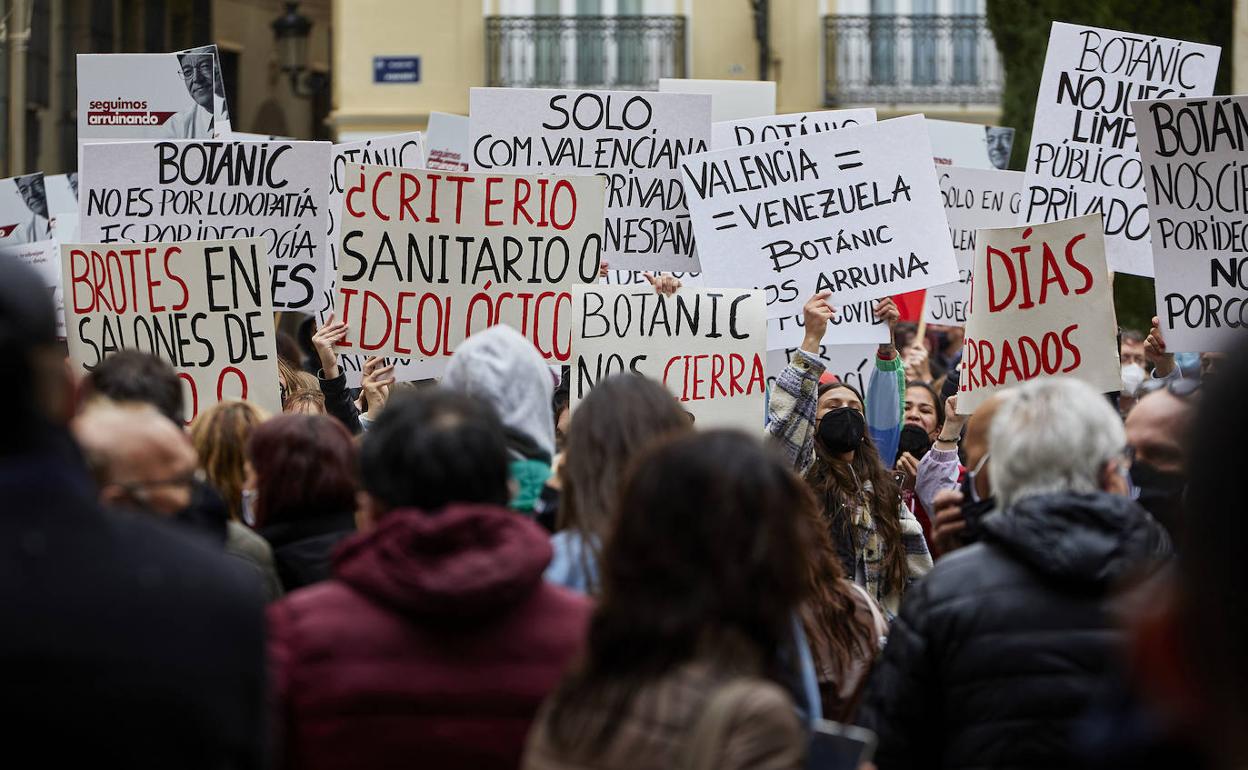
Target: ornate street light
{"type": "Point", "coordinates": [291, 31]}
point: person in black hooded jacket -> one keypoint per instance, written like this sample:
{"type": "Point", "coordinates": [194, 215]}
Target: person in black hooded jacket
{"type": "Point", "coordinates": [1000, 648]}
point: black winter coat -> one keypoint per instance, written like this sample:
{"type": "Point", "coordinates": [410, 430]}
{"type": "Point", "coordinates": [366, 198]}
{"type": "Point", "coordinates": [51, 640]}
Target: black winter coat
{"type": "Point", "coordinates": [303, 550]}
{"type": "Point", "coordinates": [998, 651]}
{"type": "Point", "coordinates": [124, 640]}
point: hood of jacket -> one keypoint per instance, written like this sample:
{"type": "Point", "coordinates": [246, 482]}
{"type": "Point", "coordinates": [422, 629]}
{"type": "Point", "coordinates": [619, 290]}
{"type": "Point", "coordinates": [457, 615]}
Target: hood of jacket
{"type": "Point", "coordinates": [501, 367]}
{"type": "Point", "coordinates": [1092, 539]}
{"type": "Point", "coordinates": [458, 564]}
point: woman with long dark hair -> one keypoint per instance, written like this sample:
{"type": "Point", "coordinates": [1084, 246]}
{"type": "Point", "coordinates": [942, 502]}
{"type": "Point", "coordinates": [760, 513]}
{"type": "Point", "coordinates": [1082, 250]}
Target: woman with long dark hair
{"type": "Point", "coordinates": [831, 433]}
{"type": "Point", "coordinates": [619, 418]}
{"type": "Point", "coordinates": [706, 565]}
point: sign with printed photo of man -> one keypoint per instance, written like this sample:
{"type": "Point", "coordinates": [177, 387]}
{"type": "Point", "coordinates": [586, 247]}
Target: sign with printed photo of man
{"type": "Point", "coordinates": [149, 96]}
{"type": "Point", "coordinates": [23, 210]}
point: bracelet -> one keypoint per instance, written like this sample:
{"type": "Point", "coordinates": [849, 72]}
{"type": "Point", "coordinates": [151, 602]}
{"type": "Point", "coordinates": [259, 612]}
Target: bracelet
{"type": "Point", "coordinates": [957, 440]}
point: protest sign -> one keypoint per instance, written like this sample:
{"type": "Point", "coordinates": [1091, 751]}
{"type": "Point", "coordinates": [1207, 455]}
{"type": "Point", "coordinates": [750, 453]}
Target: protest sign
{"type": "Point", "coordinates": [730, 99]}
{"type": "Point", "coordinates": [403, 151]}
{"type": "Point", "coordinates": [1197, 183]}
{"type": "Point", "coordinates": [427, 258]}
{"type": "Point", "coordinates": [851, 323]}
{"type": "Point", "coordinates": [638, 278]}
{"type": "Point", "coordinates": [221, 125]}
{"type": "Point", "coordinates": [203, 306]}
{"type": "Point", "coordinates": [708, 346]}
{"type": "Point", "coordinates": [24, 216]}
{"type": "Point", "coordinates": [62, 194]}
{"type": "Point", "coordinates": [448, 148]}
{"type": "Point", "coordinates": [149, 192]}
{"type": "Point", "coordinates": [45, 258]}
{"type": "Point", "coordinates": [739, 133]}
{"type": "Point", "coordinates": [1083, 157]}
{"type": "Point", "coordinates": [970, 145]}
{"type": "Point", "coordinates": [148, 96]}
{"type": "Point", "coordinates": [850, 364]}
{"type": "Point", "coordinates": [975, 199]}
{"type": "Point", "coordinates": [1041, 305]}
{"type": "Point", "coordinates": [856, 211]}
{"type": "Point", "coordinates": [634, 139]}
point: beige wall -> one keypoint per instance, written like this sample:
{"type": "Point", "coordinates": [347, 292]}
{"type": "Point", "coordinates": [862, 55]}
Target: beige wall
{"type": "Point", "coordinates": [447, 35]}
{"type": "Point", "coordinates": [265, 102]}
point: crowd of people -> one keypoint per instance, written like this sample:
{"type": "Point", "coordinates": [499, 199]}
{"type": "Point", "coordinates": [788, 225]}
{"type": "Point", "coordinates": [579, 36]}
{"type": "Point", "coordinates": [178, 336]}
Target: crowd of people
{"type": "Point", "coordinates": [467, 574]}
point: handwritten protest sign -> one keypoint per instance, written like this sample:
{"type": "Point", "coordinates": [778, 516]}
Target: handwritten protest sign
{"type": "Point", "coordinates": [45, 258]}
{"type": "Point", "coordinates": [1084, 158]}
{"type": "Point", "coordinates": [856, 211]}
{"type": "Point", "coordinates": [429, 257]}
{"type": "Point", "coordinates": [149, 192]}
{"type": "Point", "coordinates": [24, 216]}
{"type": "Point", "coordinates": [447, 142]}
{"type": "Point", "coordinates": [1042, 305]}
{"type": "Point", "coordinates": [851, 323]}
{"type": "Point", "coordinates": [739, 133]}
{"type": "Point", "coordinates": [730, 99]}
{"type": "Point", "coordinates": [850, 364]}
{"type": "Point", "coordinates": [975, 199]}
{"type": "Point", "coordinates": [401, 150]}
{"type": "Point", "coordinates": [203, 306]}
{"type": "Point", "coordinates": [1197, 182]}
{"type": "Point", "coordinates": [708, 346]}
{"type": "Point", "coordinates": [970, 145]}
{"type": "Point", "coordinates": [638, 278]}
{"type": "Point", "coordinates": [149, 96]}
{"type": "Point", "coordinates": [634, 139]}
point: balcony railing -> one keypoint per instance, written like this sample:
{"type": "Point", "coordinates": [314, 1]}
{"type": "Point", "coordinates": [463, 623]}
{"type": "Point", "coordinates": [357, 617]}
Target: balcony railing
{"type": "Point", "coordinates": [922, 59]}
{"type": "Point", "coordinates": [622, 52]}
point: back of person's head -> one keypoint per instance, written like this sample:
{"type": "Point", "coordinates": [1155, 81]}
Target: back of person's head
{"type": "Point", "coordinates": [305, 401]}
{"type": "Point", "coordinates": [1213, 571]}
{"type": "Point", "coordinates": [34, 385]}
{"type": "Point", "coordinates": [135, 376]}
{"type": "Point", "coordinates": [1052, 435]}
{"type": "Point", "coordinates": [708, 560]}
{"type": "Point", "coordinates": [305, 468]}
{"type": "Point", "coordinates": [432, 448]}
{"type": "Point", "coordinates": [220, 435]}
{"type": "Point", "coordinates": [502, 368]}
{"type": "Point", "coordinates": [621, 416]}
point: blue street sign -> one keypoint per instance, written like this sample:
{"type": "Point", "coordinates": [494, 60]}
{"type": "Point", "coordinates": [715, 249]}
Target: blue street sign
{"type": "Point", "coordinates": [396, 69]}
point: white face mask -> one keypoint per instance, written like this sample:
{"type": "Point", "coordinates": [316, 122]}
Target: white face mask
{"type": "Point", "coordinates": [1132, 378]}
{"type": "Point", "coordinates": [249, 507]}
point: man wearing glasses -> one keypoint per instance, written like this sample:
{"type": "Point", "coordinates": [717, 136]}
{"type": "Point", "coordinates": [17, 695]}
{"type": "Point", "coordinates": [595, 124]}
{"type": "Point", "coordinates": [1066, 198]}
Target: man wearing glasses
{"type": "Point", "coordinates": [195, 122]}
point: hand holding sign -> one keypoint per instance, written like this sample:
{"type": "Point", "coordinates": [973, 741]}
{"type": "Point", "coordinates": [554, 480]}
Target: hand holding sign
{"type": "Point", "coordinates": [1155, 351]}
{"type": "Point", "coordinates": [816, 313]}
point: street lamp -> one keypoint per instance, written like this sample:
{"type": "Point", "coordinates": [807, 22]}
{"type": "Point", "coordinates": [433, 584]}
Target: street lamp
{"type": "Point", "coordinates": [291, 31]}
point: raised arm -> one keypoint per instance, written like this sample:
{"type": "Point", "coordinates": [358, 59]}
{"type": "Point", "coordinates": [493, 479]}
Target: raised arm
{"type": "Point", "coordinates": [791, 409]}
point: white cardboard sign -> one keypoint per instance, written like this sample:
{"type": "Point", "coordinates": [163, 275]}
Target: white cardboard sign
{"type": "Point", "coordinates": [1197, 183]}
{"type": "Point", "coordinates": [447, 143]}
{"type": "Point", "coordinates": [203, 306]}
{"type": "Point", "coordinates": [1083, 157]}
{"type": "Point", "coordinates": [24, 216]}
{"type": "Point", "coordinates": [149, 96]}
{"type": "Point", "coordinates": [851, 364]}
{"type": "Point", "coordinates": [730, 99]}
{"type": "Point", "coordinates": [856, 211]}
{"type": "Point", "coordinates": [635, 139]}
{"type": "Point", "coordinates": [155, 192]}
{"type": "Point", "coordinates": [425, 261]}
{"type": "Point", "coordinates": [774, 128]}
{"type": "Point", "coordinates": [970, 145]}
{"type": "Point", "coordinates": [1042, 305]}
{"type": "Point", "coordinates": [707, 346]}
{"type": "Point", "coordinates": [975, 199]}
{"type": "Point", "coordinates": [45, 258]}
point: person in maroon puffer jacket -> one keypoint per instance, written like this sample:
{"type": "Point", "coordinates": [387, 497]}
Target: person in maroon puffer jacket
{"type": "Point", "coordinates": [436, 639]}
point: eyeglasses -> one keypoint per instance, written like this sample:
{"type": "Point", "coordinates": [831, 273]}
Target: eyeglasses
{"type": "Point", "coordinates": [202, 70]}
{"type": "Point", "coordinates": [1180, 387]}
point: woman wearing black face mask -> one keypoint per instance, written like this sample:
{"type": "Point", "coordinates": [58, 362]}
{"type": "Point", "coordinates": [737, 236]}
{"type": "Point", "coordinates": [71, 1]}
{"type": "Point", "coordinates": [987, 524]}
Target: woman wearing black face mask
{"type": "Point", "coordinates": [825, 431]}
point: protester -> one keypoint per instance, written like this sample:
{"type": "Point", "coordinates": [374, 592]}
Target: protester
{"type": "Point", "coordinates": [306, 402]}
{"type": "Point", "coordinates": [1189, 653]}
{"type": "Point", "coordinates": [1158, 431]}
{"type": "Point", "coordinates": [143, 462]}
{"type": "Point", "coordinates": [1008, 639]}
{"type": "Point", "coordinates": [302, 483]}
{"type": "Point", "coordinates": [502, 368]}
{"type": "Point", "coordinates": [436, 638]}
{"type": "Point", "coordinates": [923, 408]}
{"type": "Point", "coordinates": [824, 431]}
{"type": "Point", "coordinates": [220, 436]}
{"type": "Point", "coordinates": [1131, 348]}
{"type": "Point", "coordinates": [561, 405]}
{"type": "Point", "coordinates": [619, 418]}
{"type": "Point", "coordinates": [332, 381]}
{"type": "Point", "coordinates": [127, 642]}
{"type": "Point", "coordinates": [701, 577]}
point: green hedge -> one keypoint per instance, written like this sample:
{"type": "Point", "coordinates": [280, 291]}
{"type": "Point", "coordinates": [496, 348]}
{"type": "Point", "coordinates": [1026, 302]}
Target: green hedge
{"type": "Point", "coordinates": [1021, 29]}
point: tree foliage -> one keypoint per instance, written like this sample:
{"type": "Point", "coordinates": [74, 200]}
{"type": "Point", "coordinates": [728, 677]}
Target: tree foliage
{"type": "Point", "coordinates": [1021, 30]}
